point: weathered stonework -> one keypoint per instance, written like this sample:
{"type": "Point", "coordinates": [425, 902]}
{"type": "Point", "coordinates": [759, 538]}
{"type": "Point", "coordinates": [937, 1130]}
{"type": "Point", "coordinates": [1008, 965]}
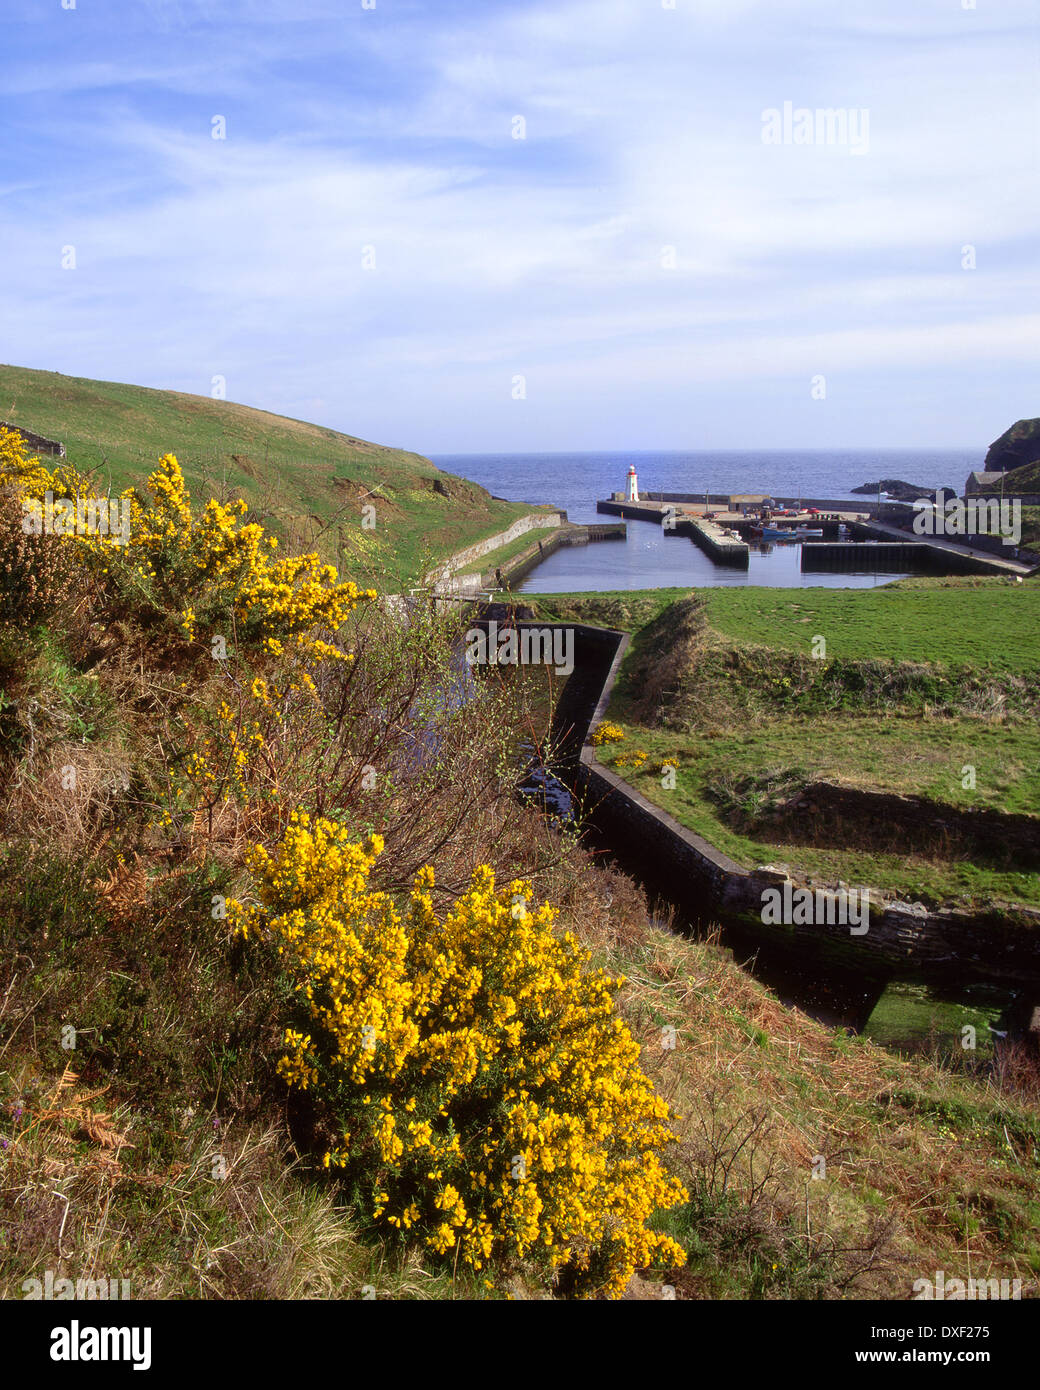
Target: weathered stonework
{"type": "Point", "coordinates": [39, 442]}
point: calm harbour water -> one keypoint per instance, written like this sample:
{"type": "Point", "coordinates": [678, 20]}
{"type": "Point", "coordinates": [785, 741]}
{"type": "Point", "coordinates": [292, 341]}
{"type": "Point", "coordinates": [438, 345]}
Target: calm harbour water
{"type": "Point", "coordinates": [651, 558]}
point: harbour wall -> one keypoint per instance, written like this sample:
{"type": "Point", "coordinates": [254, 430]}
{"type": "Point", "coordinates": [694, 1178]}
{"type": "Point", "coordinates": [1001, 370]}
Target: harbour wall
{"type": "Point", "coordinates": [449, 580]}
{"type": "Point", "coordinates": [522, 564]}
{"type": "Point", "coordinates": [887, 557]}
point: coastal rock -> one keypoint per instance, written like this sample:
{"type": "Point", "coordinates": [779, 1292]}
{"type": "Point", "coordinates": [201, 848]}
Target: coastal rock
{"type": "Point", "coordinates": [896, 488]}
{"type": "Point", "coordinates": [1016, 447]}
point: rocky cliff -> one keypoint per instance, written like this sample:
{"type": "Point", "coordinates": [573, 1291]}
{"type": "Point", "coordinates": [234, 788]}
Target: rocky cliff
{"type": "Point", "coordinates": [1016, 447]}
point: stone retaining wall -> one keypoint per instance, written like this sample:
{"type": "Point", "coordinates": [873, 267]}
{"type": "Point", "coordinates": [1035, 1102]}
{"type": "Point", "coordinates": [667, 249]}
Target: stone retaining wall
{"type": "Point", "coordinates": [39, 442]}
{"type": "Point", "coordinates": [532, 522]}
{"type": "Point", "coordinates": [992, 833]}
{"type": "Point", "coordinates": [537, 551]}
{"type": "Point", "coordinates": [702, 881]}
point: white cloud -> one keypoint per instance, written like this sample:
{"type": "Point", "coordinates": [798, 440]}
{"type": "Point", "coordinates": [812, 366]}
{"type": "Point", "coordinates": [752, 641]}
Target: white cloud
{"type": "Point", "coordinates": [644, 131]}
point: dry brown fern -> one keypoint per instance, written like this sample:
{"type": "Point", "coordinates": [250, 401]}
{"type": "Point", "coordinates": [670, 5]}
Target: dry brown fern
{"type": "Point", "coordinates": [124, 891]}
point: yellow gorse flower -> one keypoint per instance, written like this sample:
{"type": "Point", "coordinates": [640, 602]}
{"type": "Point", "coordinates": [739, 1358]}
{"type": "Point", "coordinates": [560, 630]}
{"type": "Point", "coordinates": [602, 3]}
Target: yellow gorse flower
{"type": "Point", "coordinates": [479, 1075]}
{"type": "Point", "coordinates": [213, 559]}
{"type": "Point", "coordinates": [607, 733]}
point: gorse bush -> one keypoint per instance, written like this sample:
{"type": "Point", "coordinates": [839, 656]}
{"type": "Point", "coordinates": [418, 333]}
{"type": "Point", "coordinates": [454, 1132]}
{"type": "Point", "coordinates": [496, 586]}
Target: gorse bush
{"type": "Point", "coordinates": [480, 1089]}
{"type": "Point", "coordinates": [607, 733]}
{"type": "Point", "coordinates": [636, 759]}
{"type": "Point", "coordinates": [470, 1083]}
{"type": "Point", "coordinates": [215, 567]}
{"type": "Point", "coordinates": [217, 570]}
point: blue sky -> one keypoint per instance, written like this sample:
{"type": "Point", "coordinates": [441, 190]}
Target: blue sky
{"type": "Point", "coordinates": [658, 274]}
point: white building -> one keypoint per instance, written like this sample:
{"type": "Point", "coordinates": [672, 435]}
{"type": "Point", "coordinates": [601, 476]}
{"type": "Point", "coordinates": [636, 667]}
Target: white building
{"type": "Point", "coordinates": [633, 485]}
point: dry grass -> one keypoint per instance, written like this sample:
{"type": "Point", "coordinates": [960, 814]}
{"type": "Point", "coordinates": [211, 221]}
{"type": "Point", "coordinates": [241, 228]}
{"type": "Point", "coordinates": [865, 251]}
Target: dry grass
{"type": "Point", "coordinates": [925, 1169]}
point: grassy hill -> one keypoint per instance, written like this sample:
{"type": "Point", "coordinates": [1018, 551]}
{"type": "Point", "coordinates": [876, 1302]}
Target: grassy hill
{"type": "Point", "coordinates": [305, 482]}
{"type": "Point", "coordinates": [1024, 479]}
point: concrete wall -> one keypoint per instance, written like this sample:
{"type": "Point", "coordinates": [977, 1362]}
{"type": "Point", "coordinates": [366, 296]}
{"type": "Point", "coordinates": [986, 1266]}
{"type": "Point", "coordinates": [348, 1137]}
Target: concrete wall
{"type": "Point", "coordinates": [702, 881]}
{"type": "Point", "coordinates": [720, 499]}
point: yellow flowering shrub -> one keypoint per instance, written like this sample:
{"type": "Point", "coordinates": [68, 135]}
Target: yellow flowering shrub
{"type": "Point", "coordinates": [18, 470]}
{"type": "Point", "coordinates": [607, 733]}
{"type": "Point", "coordinates": [23, 475]}
{"type": "Point", "coordinates": [217, 561]}
{"type": "Point", "coordinates": [485, 1096]}
{"type": "Point", "coordinates": [213, 570]}
{"type": "Point", "coordinates": [635, 760]}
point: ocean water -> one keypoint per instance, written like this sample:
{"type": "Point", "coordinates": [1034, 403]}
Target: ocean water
{"type": "Point", "coordinates": [652, 558]}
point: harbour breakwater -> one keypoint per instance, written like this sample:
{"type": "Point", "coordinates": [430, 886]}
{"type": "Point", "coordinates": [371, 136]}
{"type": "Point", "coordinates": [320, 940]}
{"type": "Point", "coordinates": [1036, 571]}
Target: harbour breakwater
{"type": "Point", "coordinates": [448, 578]}
{"type": "Point", "coordinates": [881, 537]}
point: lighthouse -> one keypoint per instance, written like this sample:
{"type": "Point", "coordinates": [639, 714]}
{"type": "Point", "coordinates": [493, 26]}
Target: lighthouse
{"type": "Point", "coordinates": [633, 485]}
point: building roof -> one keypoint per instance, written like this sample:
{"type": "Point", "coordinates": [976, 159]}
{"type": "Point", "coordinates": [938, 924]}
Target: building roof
{"type": "Point", "coordinates": [986, 479]}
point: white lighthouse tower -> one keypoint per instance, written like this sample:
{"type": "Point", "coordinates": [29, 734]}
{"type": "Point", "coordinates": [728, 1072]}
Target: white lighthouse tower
{"type": "Point", "coordinates": [633, 485]}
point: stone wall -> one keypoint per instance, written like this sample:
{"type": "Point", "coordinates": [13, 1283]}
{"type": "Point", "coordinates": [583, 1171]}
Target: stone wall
{"type": "Point", "coordinates": [532, 522]}
{"type": "Point", "coordinates": [702, 882]}
{"type": "Point", "coordinates": [42, 445]}
{"type": "Point", "coordinates": [987, 832]}
{"type": "Point", "coordinates": [537, 551]}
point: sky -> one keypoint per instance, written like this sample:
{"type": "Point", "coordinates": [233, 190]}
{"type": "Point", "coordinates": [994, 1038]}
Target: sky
{"type": "Point", "coordinates": [492, 225]}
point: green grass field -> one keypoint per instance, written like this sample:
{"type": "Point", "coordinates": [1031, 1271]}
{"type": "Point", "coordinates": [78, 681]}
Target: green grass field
{"type": "Point", "coordinates": [996, 626]}
{"type": "Point", "coordinates": [307, 483]}
{"type": "Point", "coordinates": [752, 730]}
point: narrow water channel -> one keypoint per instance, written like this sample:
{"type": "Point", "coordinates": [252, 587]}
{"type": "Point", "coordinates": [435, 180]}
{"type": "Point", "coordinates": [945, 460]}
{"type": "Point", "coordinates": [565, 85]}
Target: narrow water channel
{"type": "Point", "coordinates": [910, 1011]}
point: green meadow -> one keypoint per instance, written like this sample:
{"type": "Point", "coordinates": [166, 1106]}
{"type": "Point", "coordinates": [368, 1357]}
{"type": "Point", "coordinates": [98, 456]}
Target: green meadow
{"type": "Point", "coordinates": [927, 690]}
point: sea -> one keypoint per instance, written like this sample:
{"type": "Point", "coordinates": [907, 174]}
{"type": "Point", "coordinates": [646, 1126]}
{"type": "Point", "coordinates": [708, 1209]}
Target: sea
{"type": "Point", "coordinates": [651, 558]}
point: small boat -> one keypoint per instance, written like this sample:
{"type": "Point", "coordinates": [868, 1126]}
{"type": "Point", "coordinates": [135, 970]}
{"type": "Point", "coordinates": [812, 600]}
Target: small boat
{"type": "Point", "coordinates": [810, 531]}
{"type": "Point", "coordinates": [778, 533]}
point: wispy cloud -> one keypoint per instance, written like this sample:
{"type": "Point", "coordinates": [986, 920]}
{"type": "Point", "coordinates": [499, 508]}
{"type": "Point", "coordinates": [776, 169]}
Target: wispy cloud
{"type": "Point", "coordinates": [370, 235]}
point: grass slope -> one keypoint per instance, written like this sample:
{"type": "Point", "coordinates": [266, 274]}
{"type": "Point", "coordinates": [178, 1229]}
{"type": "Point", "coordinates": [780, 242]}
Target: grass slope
{"type": "Point", "coordinates": [624, 609]}
{"type": "Point", "coordinates": [305, 482]}
{"type": "Point", "coordinates": [921, 680]}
